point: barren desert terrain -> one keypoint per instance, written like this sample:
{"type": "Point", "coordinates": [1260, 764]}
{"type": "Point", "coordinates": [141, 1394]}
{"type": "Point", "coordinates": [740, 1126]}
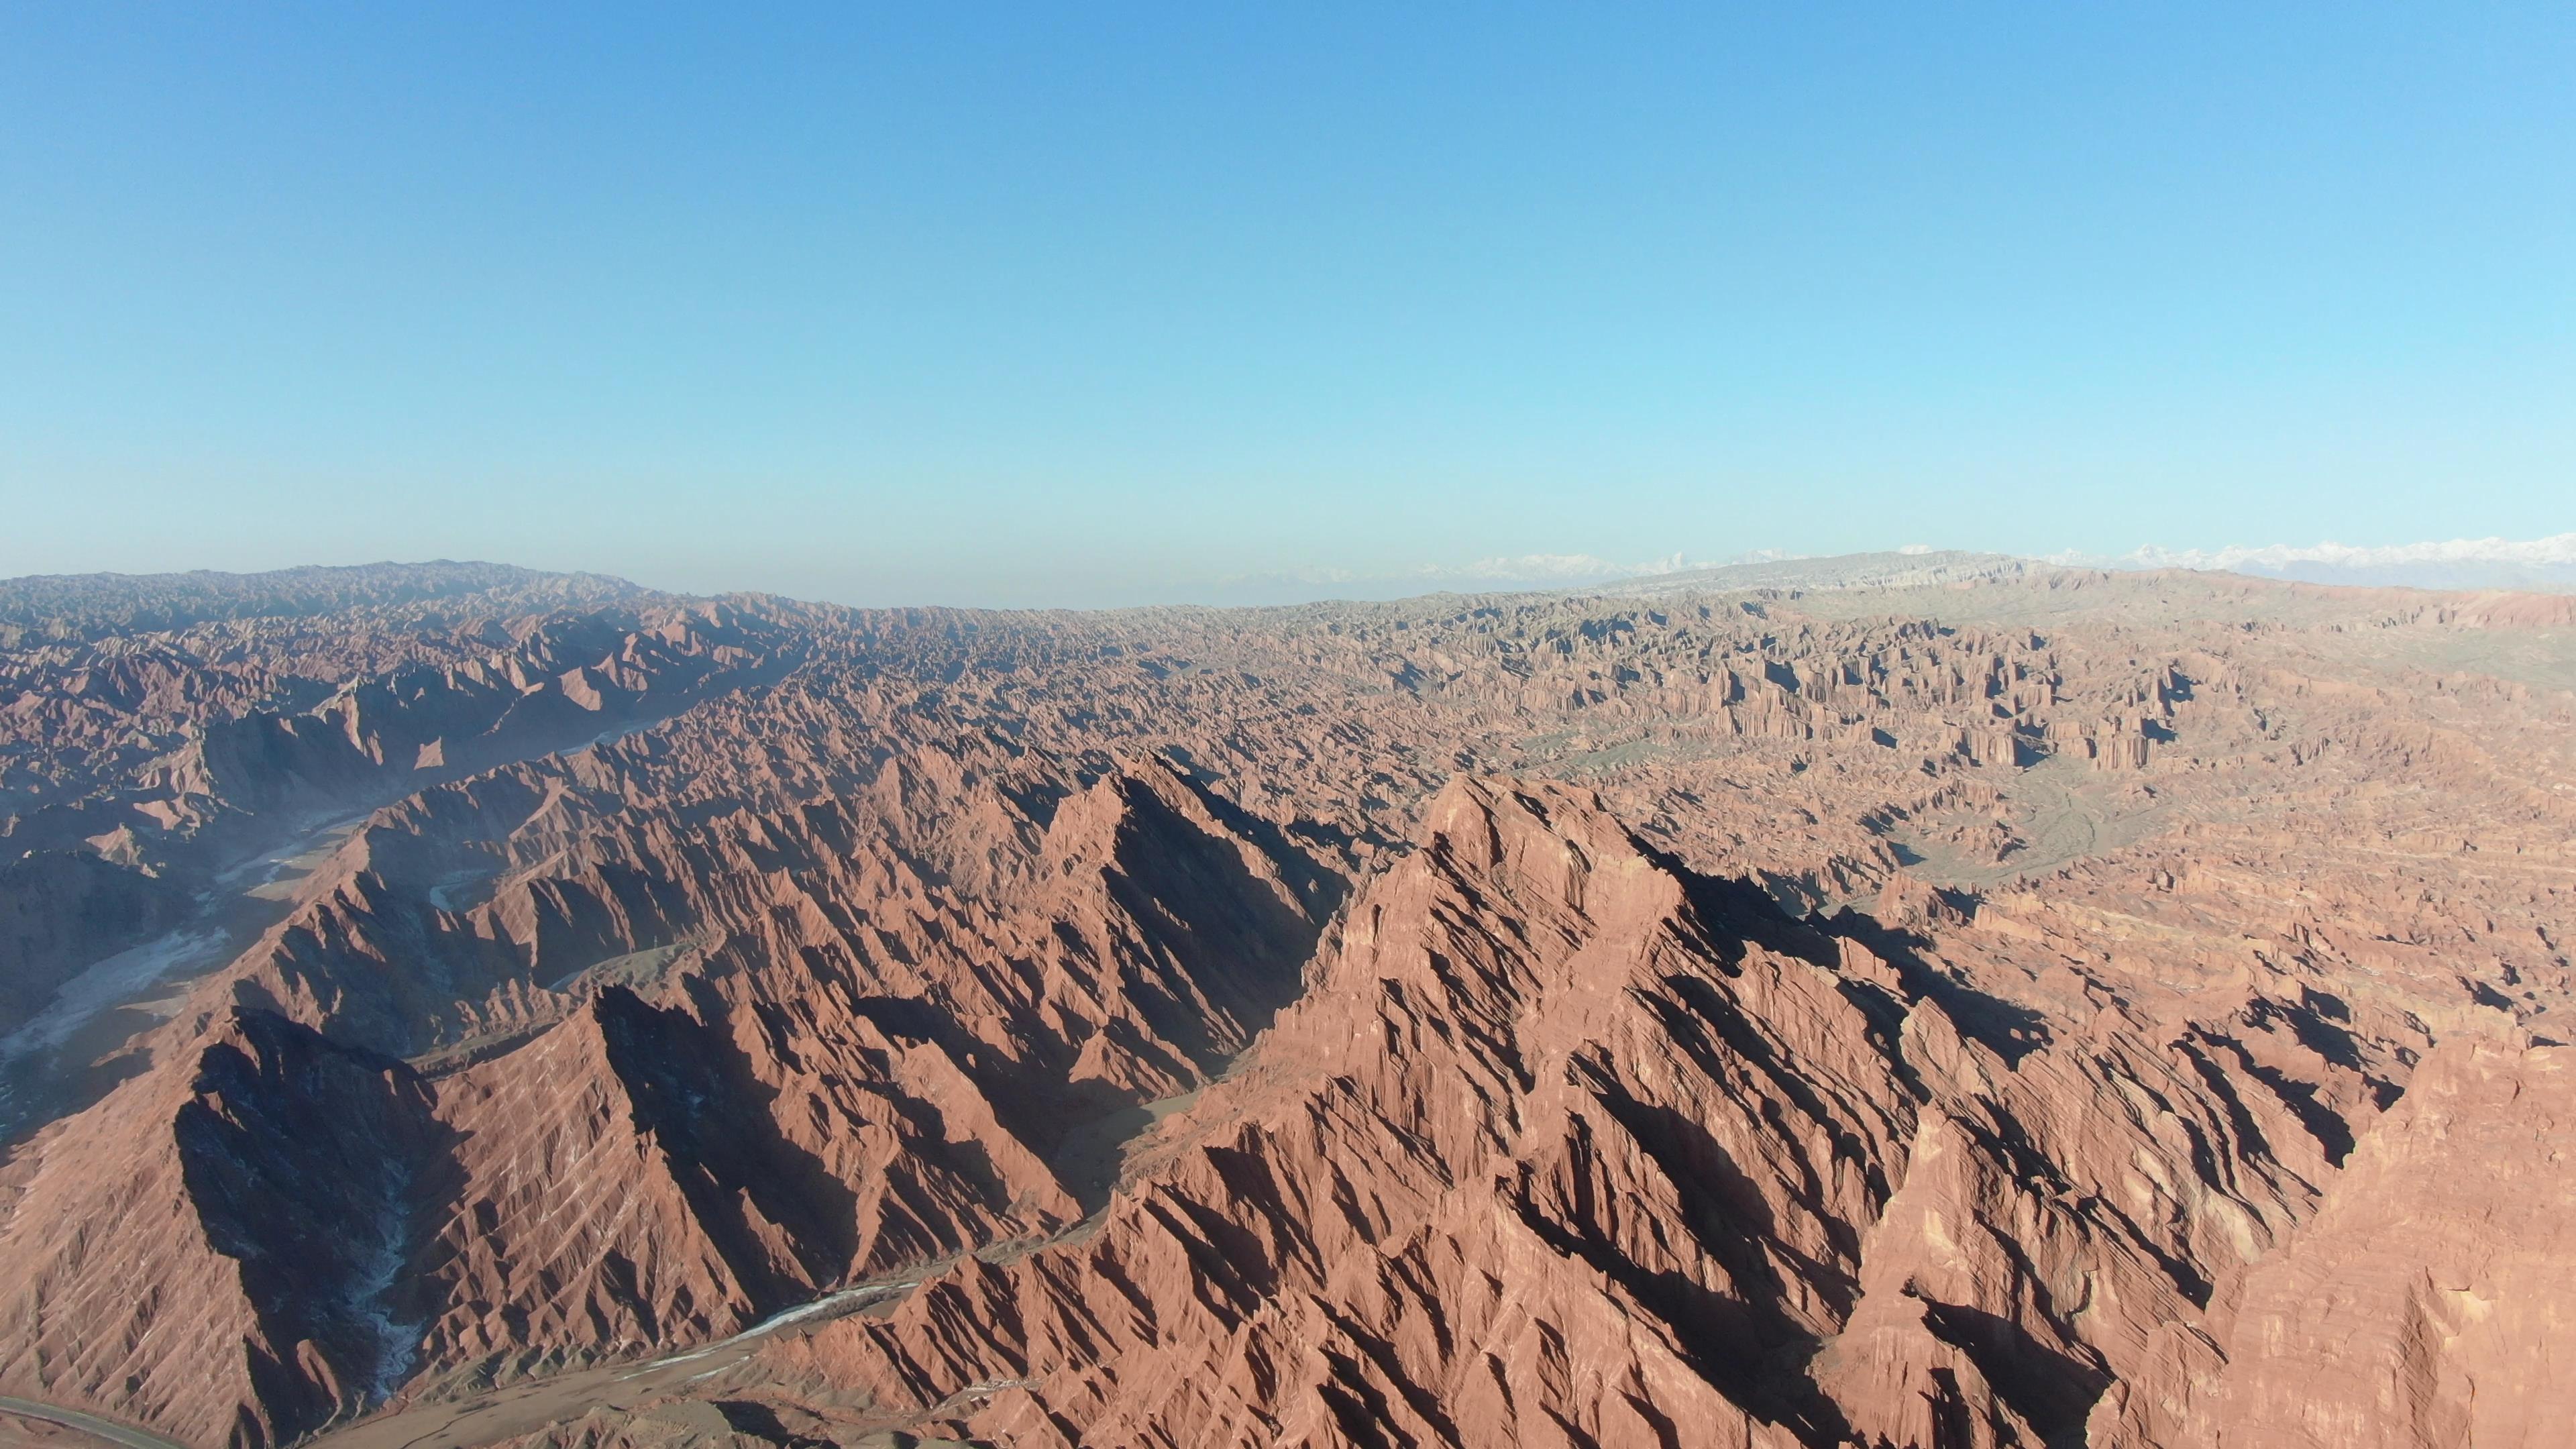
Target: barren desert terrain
{"type": "Point", "coordinates": [1927, 1000]}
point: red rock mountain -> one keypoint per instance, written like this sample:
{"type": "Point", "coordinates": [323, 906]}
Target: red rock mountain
{"type": "Point", "coordinates": [1570, 1145]}
{"type": "Point", "coordinates": [2029, 1007]}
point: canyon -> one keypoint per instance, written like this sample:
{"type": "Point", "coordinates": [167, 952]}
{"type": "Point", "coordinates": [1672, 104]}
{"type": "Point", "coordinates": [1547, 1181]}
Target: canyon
{"type": "Point", "coordinates": [1933, 1000]}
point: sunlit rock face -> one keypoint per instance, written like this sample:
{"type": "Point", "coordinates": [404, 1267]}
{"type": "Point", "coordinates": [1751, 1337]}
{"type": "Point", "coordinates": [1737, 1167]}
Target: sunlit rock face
{"type": "Point", "coordinates": [2043, 1008]}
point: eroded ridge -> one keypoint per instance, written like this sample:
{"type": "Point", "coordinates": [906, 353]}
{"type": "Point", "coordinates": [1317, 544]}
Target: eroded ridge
{"type": "Point", "coordinates": [470, 1006]}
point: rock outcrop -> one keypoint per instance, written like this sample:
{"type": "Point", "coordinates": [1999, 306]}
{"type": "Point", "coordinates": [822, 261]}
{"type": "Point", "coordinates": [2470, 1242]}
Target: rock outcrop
{"type": "Point", "coordinates": [1570, 1145]}
{"type": "Point", "coordinates": [2427, 1302]}
{"type": "Point", "coordinates": [865, 1068]}
{"type": "Point", "coordinates": [2038, 1008]}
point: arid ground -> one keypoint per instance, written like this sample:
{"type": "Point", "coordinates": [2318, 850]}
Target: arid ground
{"type": "Point", "coordinates": [1934, 1000]}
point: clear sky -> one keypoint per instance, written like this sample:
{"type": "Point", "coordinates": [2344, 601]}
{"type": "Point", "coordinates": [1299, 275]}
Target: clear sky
{"type": "Point", "coordinates": [1103, 303]}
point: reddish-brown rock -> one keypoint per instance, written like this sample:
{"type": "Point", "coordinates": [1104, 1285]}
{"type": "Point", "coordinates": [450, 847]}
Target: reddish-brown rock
{"type": "Point", "coordinates": [2429, 1302]}
{"type": "Point", "coordinates": [1976, 1015]}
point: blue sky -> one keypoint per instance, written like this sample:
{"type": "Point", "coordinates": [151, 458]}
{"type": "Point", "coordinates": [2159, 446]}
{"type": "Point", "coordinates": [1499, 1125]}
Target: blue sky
{"type": "Point", "coordinates": [1113, 303]}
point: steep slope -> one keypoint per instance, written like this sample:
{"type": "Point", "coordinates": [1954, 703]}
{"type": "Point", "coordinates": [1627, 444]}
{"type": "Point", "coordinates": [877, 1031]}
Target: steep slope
{"type": "Point", "coordinates": [215, 1253]}
{"type": "Point", "coordinates": [857, 1070]}
{"type": "Point", "coordinates": [157, 806]}
{"type": "Point", "coordinates": [1568, 1145]}
{"type": "Point", "coordinates": [712, 956]}
{"type": "Point", "coordinates": [61, 911]}
{"type": "Point", "coordinates": [2428, 1303]}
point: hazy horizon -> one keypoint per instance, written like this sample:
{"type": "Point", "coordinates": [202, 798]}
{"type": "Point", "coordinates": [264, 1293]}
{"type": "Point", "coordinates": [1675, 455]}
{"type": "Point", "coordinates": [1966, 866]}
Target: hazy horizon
{"type": "Point", "coordinates": [1018, 307]}
{"type": "Point", "coordinates": [2547, 565]}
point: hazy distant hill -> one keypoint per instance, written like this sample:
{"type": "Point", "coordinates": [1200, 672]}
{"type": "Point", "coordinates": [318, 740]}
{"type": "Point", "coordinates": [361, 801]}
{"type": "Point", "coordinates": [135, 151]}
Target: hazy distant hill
{"type": "Point", "coordinates": [2558, 578]}
{"type": "Point", "coordinates": [1842, 571]}
{"type": "Point", "coordinates": [2543, 564]}
{"type": "Point", "coordinates": [75, 605]}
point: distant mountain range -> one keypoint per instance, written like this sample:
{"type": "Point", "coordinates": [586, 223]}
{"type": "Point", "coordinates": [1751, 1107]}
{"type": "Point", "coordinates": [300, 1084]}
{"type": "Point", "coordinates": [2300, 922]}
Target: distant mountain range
{"type": "Point", "coordinates": [2545, 565]}
{"type": "Point", "coordinates": [2462, 563]}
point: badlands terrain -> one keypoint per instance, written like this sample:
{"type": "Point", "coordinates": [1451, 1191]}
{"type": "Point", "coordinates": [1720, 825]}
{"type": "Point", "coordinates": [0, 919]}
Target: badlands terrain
{"type": "Point", "coordinates": [1929, 1000]}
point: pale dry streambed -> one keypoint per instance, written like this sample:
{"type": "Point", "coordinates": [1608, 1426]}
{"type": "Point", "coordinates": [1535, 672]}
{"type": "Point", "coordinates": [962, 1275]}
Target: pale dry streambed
{"type": "Point", "coordinates": [69, 1054]}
